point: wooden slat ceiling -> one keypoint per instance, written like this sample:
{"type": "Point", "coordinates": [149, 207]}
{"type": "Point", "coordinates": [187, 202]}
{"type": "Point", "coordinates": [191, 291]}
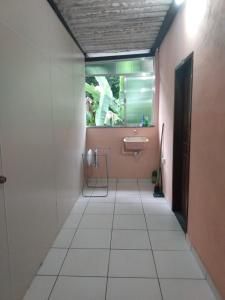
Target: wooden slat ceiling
{"type": "Point", "coordinates": [102, 26]}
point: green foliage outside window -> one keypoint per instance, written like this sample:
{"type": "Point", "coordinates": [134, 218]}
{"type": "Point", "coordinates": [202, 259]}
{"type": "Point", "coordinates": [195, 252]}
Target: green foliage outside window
{"type": "Point", "coordinates": [119, 100]}
{"type": "Point", "coordinates": [104, 107]}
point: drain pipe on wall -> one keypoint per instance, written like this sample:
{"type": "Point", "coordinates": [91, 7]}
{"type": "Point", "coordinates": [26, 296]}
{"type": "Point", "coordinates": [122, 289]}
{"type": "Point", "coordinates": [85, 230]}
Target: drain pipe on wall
{"type": "Point", "coordinates": [135, 154]}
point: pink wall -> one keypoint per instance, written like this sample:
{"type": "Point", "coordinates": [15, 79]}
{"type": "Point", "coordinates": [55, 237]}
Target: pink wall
{"type": "Point", "coordinates": [120, 165]}
{"type": "Point", "coordinates": [199, 27]}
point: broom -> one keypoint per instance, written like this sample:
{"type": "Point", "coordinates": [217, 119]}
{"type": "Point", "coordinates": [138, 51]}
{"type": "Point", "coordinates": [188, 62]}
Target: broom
{"type": "Point", "coordinates": [158, 189]}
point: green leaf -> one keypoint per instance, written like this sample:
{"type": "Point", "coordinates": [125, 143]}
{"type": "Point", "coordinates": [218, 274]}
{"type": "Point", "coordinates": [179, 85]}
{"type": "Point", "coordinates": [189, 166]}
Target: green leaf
{"type": "Point", "coordinates": [106, 97]}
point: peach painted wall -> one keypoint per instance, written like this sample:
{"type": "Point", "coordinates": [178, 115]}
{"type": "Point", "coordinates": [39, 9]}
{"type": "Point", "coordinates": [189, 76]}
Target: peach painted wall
{"type": "Point", "coordinates": [120, 165]}
{"type": "Point", "coordinates": [200, 27]}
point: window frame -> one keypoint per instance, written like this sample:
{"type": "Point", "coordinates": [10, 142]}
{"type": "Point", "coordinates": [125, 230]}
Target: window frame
{"type": "Point", "coordinates": [139, 74]}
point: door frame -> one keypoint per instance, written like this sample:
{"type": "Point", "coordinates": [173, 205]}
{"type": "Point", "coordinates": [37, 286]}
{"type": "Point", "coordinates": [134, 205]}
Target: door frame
{"type": "Point", "coordinates": [177, 200]}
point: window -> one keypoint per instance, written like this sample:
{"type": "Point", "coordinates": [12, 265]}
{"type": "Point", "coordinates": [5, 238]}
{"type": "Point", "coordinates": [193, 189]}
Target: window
{"type": "Point", "coordinates": [120, 93]}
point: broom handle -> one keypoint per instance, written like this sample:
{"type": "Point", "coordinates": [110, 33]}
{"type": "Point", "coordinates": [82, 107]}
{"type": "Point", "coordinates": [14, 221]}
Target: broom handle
{"type": "Point", "coordinates": [161, 144]}
{"type": "Point", "coordinates": [160, 155]}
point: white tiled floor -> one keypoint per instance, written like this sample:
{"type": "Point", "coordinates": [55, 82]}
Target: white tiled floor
{"type": "Point", "coordinates": [53, 262]}
{"type": "Point", "coordinates": [133, 288]}
{"type": "Point", "coordinates": [129, 222]}
{"type": "Point", "coordinates": [92, 238]}
{"type": "Point", "coordinates": [86, 262]}
{"type": "Point", "coordinates": [79, 288]}
{"type": "Point", "coordinates": [64, 238]}
{"type": "Point", "coordinates": [132, 263]}
{"type": "Point", "coordinates": [96, 221]}
{"type": "Point", "coordinates": [130, 239]}
{"type": "Point", "coordinates": [100, 208]}
{"type": "Point", "coordinates": [168, 240]}
{"type": "Point", "coordinates": [73, 220]}
{"type": "Point", "coordinates": [127, 246]}
{"type": "Point", "coordinates": [41, 287]}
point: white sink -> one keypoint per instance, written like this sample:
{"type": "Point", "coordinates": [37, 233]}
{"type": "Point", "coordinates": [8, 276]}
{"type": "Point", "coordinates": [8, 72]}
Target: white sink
{"type": "Point", "coordinates": [135, 143]}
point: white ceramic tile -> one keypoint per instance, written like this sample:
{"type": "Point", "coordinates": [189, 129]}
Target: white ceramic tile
{"type": "Point", "coordinates": [87, 192]}
{"type": "Point", "coordinates": [86, 262]}
{"type": "Point", "coordinates": [127, 188]}
{"type": "Point", "coordinates": [109, 199]}
{"type": "Point", "coordinates": [72, 221]}
{"type": "Point", "coordinates": [128, 199]}
{"type": "Point", "coordinates": [129, 222]}
{"type": "Point", "coordinates": [82, 199]}
{"type": "Point", "coordinates": [177, 264]}
{"type": "Point", "coordinates": [102, 192]}
{"type": "Point", "coordinates": [79, 208]}
{"type": "Point", "coordinates": [53, 262]}
{"type": "Point", "coordinates": [96, 222]}
{"type": "Point", "coordinates": [133, 289]}
{"type": "Point", "coordinates": [40, 288]}
{"type": "Point", "coordinates": [184, 289]}
{"type": "Point", "coordinates": [150, 199]}
{"type": "Point", "coordinates": [130, 209]}
{"type": "Point", "coordinates": [147, 194]}
{"type": "Point", "coordinates": [75, 288]}
{"type": "Point", "coordinates": [100, 208]}
{"type": "Point", "coordinates": [111, 192]}
{"type": "Point", "coordinates": [168, 240]}
{"type": "Point", "coordinates": [132, 263]}
{"type": "Point", "coordinates": [127, 193]}
{"type": "Point", "coordinates": [130, 239]}
{"type": "Point", "coordinates": [157, 209]}
{"type": "Point", "coordinates": [64, 238]}
{"type": "Point", "coordinates": [162, 222]}
{"type": "Point", "coordinates": [148, 191]}
{"type": "Point", "coordinates": [92, 238]}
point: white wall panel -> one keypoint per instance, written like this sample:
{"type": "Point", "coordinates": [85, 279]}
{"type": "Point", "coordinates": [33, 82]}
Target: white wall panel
{"type": "Point", "coordinates": [41, 128]}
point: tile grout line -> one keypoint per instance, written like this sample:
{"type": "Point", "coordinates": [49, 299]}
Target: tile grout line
{"type": "Point", "coordinates": [139, 189]}
{"type": "Point", "coordinates": [76, 229]}
{"type": "Point", "coordinates": [121, 277]}
{"type": "Point", "coordinates": [102, 228]}
{"type": "Point", "coordinates": [110, 245]}
{"type": "Point", "coordinates": [120, 249]}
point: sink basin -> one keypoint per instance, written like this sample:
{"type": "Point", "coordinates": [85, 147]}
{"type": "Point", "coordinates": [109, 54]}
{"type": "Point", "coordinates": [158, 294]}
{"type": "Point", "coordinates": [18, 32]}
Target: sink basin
{"type": "Point", "coordinates": [135, 143]}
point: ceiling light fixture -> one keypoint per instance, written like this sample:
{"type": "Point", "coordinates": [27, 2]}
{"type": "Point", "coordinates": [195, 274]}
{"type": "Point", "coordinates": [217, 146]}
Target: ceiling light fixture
{"type": "Point", "coordinates": [179, 2]}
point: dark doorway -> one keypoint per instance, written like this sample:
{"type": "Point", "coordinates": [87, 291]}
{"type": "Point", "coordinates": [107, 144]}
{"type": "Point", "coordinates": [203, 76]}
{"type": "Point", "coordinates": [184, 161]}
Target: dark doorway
{"type": "Point", "coordinates": [182, 139]}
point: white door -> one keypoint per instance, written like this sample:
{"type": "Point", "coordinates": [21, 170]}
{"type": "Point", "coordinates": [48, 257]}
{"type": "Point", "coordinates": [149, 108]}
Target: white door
{"type": "Point", "coordinates": [4, 258]}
